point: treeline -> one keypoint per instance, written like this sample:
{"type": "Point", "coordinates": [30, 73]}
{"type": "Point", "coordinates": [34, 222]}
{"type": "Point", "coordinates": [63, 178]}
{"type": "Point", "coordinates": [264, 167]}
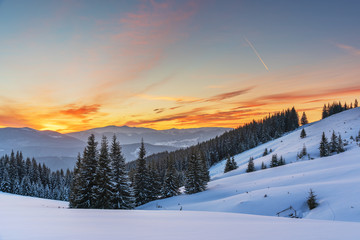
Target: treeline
{"type": "Point", "coordinates": [101, 181]}
{"type": "Point", "coordinates": [336, 107]}
{"type": "Point", "coordinates": [228, 144]}
{"type": "Point", "coordinates": [29, 178]}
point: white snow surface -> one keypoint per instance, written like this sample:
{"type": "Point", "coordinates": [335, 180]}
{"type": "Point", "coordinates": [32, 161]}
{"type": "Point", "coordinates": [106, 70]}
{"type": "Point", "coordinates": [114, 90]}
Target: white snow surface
{"type": "Point", "coordinates": [334, 179]}
{"type": "Point", "coordinates": [32, 218]}
{"type": "Point", "coordinates": [231, 207]}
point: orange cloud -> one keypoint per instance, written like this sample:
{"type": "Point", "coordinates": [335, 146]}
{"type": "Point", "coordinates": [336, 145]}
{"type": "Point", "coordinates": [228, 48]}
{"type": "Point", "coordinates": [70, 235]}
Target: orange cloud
{"type": "Point", "coordinates": [81, 112]}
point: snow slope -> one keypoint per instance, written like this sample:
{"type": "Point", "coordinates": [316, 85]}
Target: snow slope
{"type": "Point", "coordinates": [335, 179]}
{"type": "Point", "coordinates": [32, 218]}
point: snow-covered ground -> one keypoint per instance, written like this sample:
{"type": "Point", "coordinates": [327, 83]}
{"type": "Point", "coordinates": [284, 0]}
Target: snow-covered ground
{"type": "Point", "coordinates": [31, 218]}
{"type": "Point", "coordinates": [335, 179]}
{"type": "Point", "coordinates": [222, 211]}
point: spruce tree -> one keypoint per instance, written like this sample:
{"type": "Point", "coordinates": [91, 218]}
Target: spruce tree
{"type": "Point", "coordinates": [324, 146]}
{"type": "Point", "coordinates": [311, 201]}
{"type": "Point", "coordinates": [356, 103]}
{"type": "Point", "coordinates": [104, 186]}
{"type": "Point", "coordinates": [303, 133]}
{"type": "Point", "coordinates": [141, 179]}
{"type": "Point", "coordinates": [304, 119]}
{"type": "Point", "coordinates": [88, 174]}
{"type": "Point", "coordinates": [76, 185]}
{"type": "Point", "coordinates": [170, 187]}
{"type": "Point", "coordinates": [333, 143]}
{"type": "Point", "coordinates": [230, 164]}
{"type": "Point", "coordinates": [265, 152]}
{"type": "Point", "coordinates": [234, 164]}
{"type": "Point", "coordinates": [196, 177]}
{"type": "Point", "coordinates": [154, 183]}
{"type": "Point", "coordinates": [274, 161]}
{"type": "Point", "coordinates": [263, 165]}
{"type": "Point", "coordinates": [122, 197]}
{"type": "Point", "coordinates": [281, 161]}
{"type": "Point", "coordinates": [251, 166]}
{"type": "Point", "coordinates": [340, 145]}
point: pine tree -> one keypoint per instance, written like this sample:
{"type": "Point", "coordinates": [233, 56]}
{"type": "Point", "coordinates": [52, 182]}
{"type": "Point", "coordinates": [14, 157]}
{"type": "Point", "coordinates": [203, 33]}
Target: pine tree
{"type": "Point", "coordinates": [122, 197]}
{"type": "Point", "coordinates": [230, 164]}
{"type": "Point", "coordinates": [196, 177]}
{"type": "Point", "coordinates": [104, 188]}
{"type": "Point", "coordinates": [325, 112]}
{"type": "Point", "coordinates": [265, 152]}
{"type": "Point", "coordinates": [88, 174]}
{"type": "Point", "coordinates": [333, 143]}
{"type": "Point", "coordinates": [76, 185]}
{"type": "Point", "coordinates": [356, 103]}
{"type": "Point", "coordinates": [170, 187]}
{"type": "Point", "coordinates": [263, 165]}
{"type": "Point", "coordinates": [340, 145]}
{"type": "Point", "coordinates": [281, 161]}
{"type": "Point", "coordinates": [303, 133]}
{"type": "Point", "coordinates": [154, 184]}
{"type": "Point", "coordinates": [304, 119]}
{"type": "Point", "coordinates": [274, 161]}
{"type": "Point", "coordinates": [324, 146]}
{"type": "Point", "coordinates": [251, 166]}
{"type": "Point", "coordinates": [311, 201]}
{"type": "Point", "coordinates": [141, 179]}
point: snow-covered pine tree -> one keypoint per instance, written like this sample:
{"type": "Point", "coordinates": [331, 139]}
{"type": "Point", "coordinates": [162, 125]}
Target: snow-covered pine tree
{"type": "Point", "coordinates": [281, 161]}
{"type": "Point", "coordinates": [141, 179]}
{"type": "Point", "coordinates": [333, 143]}
{"type": "Point", "coordinates": [104, 187]}
{"type": "Point", "coordinates": [311, 201]}
{"type": "Point", "coordinates": [340, 145]}
{"type": "Point", "coordinates": [251, 166]}
{"type": "Point", "coordinates": [234, 164]}
{"type": "Point", "coordinates": [122, 197]}
{"type": "Point", "coordinates": [230, 164]}
{"type": "Point", "coordinates": [76, 185]}
{"type": "Point", "coordinates": [324, 146]}
{"type": "Point", "coordinates": [265, 152]}
{"type": "Point", "coordinates": [303, 133]}
{"type": "Point", "coordinates": [195, 177]}
{"type": "Point", "coordinates": [304, 119]}
{"type": "Point", "coordinates": [274, 161]}
{"type": "Point", "coordinates": [88, 173]}
{"type": "Point", "coordinates": [170, 187]}
{"type": "Point", "coordinates": [154, 183]}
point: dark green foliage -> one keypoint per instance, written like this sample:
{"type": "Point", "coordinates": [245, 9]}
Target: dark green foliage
{"type": "Point", "coordinates": [74, 198]}
{"type": "Point", "coordinates": [356, 103]}
{"type": "Point", "coordinates": [265, 152]}
{"type": "Point", "coordinates": [303, 152]}
{"type": "Point", "coordinates": [170, 187]}
{"type": "Point", "coordinates": [103, 189]}
{"type": "Point", "coordinates": [274, 161]}
{"type": "Point", "coordinates": [28, 178]}
{"type": "Point", "coordinates": [324, 146]}
{"type": "Point", "coordinates": [304, 119]}
{"type": "Point", "coordinates": [281, 161]}
{"type": "Point", "coordinates": [155, 184]}
{"type": "Point", "coordinates": [311, 200]}
{"type": "Point", "coordinates": [142, 188]}
{"type": "Point", "coordinates": [251, 166]}
{"type": "Point", "coordinates": [333, 143]}
{"type": "Point", "coordinates": [197, 175]}
{"type": "Point", "coordinates": [303, 133]}
{"type": "Point", "coordinates": [230, 143]}
{"type": "Point", "coordinates": [340, 145]}
{"type": "Point", "coordinates": [335, 108]}
{"type": "Point", "coordinates": [263, 165]}
{"type": "Point", "coordinates": [230, 164]}
{"type": "Point", "coordinates": [122, 197]}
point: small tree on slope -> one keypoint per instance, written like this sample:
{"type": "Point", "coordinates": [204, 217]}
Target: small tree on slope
{"type": "Point", "coordinates": [311, 201]}
{"type": "Point", "coordinates": [324, 146]}
{"type": "Point", "coordinates": [251, 166]}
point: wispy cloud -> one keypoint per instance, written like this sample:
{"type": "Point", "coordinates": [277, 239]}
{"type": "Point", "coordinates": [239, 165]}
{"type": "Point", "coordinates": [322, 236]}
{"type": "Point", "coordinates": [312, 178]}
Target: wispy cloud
{"type": "Point", "coordinates": [81, 111]}
{"type": "Point", "coordinates": [350, 49]}
{"type": "Point", "coordinates": [257, 54]}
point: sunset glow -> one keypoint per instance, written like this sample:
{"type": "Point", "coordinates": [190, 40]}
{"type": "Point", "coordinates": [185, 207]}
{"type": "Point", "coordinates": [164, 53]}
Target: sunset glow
{"type": "Point", "coordinates": [74, 65]}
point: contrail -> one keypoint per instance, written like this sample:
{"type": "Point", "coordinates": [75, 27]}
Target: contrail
{"type": "Point", "coordinates": [257, 54]}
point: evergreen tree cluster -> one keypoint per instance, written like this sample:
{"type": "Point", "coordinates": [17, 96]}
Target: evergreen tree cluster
{"type": "Point", "coordinates": [336, 107]}
{"type": "Point", "coordinates": [230, 164]}
{"type": "Point", "coordinates": [197, 175]}
{"type": "Point", "coordinates": [336, 145]}
{"type": "Point", "coordinates": [230, 143]}
{"type": "Point", "coordinates": [29, 178]}
{"type": "Point", "coordinates": [100, 179]}
{"type": "Point", "coordinates": [275, 162]}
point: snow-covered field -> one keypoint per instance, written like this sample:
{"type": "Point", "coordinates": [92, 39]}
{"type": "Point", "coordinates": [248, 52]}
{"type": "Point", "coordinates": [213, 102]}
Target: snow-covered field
{"type": "Point", "coordinates": [222, 211]}
{"type": "Point", "coordinates": [32, 218]}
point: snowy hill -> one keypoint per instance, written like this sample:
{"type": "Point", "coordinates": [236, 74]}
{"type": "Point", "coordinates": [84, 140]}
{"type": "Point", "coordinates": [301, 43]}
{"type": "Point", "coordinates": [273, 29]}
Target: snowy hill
{"type": "Point", "coordinates": [334, 179]}
{"type": "Point", "coordinates": [33, 218]}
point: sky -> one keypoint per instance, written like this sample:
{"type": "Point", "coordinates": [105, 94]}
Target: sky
{"type": "Point", "coordinates": [74, 65]}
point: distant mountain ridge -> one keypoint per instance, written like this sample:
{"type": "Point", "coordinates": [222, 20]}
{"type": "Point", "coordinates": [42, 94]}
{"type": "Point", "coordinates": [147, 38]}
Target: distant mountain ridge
{"type": "Point", "coordinates": [178, 138]}
{"type": "Point", "coordinates": [58, 150]}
